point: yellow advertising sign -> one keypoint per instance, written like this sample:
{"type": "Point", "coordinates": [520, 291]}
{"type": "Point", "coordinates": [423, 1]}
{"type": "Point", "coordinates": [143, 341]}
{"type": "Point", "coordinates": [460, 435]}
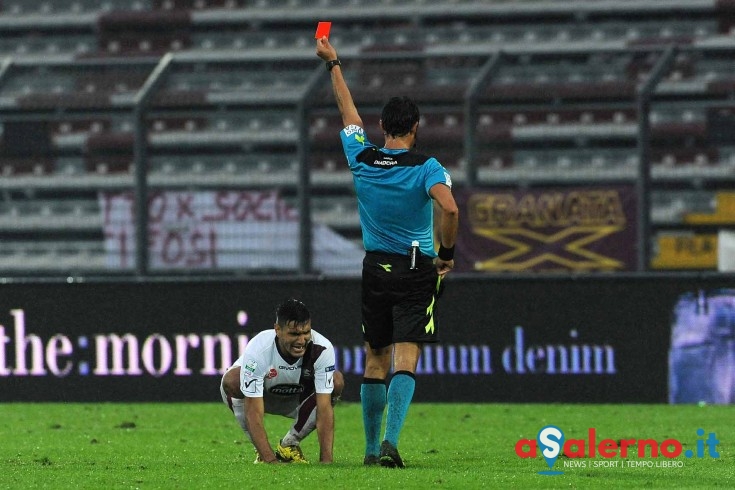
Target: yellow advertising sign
{"type": "Point", "coordinates": [686, 251]}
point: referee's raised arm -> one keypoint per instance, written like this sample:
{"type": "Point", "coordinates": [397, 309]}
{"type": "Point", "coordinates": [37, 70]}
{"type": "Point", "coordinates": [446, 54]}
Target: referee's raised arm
{"type": "Point", "coordinates": [341, 92]}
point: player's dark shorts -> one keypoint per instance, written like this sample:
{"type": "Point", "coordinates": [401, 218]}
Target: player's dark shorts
{"type": "Point", "coordinates": [398, 304]}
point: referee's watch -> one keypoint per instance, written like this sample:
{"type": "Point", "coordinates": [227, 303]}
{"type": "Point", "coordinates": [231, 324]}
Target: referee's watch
{"type": "Point", "coordinates": [333, 63]}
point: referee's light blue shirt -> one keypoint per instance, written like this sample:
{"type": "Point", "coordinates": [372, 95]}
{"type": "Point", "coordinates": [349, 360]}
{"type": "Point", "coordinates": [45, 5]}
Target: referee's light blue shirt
{"type": "Point", "coordinates": [393, 201]}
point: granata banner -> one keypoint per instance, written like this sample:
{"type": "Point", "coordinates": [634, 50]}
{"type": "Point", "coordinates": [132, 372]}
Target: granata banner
{"type": "Point", "coordinates": [549, 229]}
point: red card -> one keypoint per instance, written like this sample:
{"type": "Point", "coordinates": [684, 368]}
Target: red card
{"type": "Point", "coordinates": [322, 30]}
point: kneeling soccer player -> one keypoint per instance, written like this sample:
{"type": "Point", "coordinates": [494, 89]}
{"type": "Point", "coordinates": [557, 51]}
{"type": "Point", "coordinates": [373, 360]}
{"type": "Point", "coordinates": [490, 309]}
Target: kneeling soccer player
{"type": "Point", "coordinates": [289, 371]}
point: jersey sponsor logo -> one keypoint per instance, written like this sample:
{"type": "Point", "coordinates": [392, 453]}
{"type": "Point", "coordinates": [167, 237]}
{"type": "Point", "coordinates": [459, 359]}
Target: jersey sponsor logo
{"type": "Point", "coordinates": [448, 179]}
{"type": "Point", "coordinates": [352, 129]}
{"type": "Point", "coordinates": [251, 366]}
{"type": "Point", "coordinates": [286, 390]}
{"type": "Point", "coordinates": [329, 369]}
{"type": "Point", "coordinates": [388, 162]}
{"type": "Point", "coordinates": [288, 368]}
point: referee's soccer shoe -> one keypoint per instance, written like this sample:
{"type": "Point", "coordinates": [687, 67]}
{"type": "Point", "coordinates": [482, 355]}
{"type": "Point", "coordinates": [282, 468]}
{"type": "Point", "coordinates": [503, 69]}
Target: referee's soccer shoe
{"type": "Point", "coordinates": [389, 456]}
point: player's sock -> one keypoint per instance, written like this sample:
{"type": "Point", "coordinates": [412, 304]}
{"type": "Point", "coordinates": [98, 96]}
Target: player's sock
{"type": "Point", "coordinates": [373, 396]}
{"type": "Point", "coordinates": [290, 440]}
{"type": "Point", "coordinates": [400, 394]}
{"type": "Point", "coordinates": [303, 425]}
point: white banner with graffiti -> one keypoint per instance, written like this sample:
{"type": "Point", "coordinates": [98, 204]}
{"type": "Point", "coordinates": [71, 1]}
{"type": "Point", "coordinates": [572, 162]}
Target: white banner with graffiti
{"type": "Point", "coordinates": [220, 230]}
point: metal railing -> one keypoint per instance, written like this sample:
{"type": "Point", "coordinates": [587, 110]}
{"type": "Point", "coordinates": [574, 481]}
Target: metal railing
{"type": "Point", "coordinates": [141, 108]}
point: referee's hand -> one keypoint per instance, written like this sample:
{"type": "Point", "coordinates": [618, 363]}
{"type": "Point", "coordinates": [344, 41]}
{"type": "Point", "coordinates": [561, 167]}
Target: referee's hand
{"type": "Point", "coordinates": [325, 50]}
{"type": "Point", "coordinates": [443, 266]}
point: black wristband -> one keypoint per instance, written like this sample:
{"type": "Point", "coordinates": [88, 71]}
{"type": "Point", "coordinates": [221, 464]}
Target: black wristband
{"type": "Point", "coordinates": [332, 64]}
{"type": "Point", "coordinates": [446, 253]}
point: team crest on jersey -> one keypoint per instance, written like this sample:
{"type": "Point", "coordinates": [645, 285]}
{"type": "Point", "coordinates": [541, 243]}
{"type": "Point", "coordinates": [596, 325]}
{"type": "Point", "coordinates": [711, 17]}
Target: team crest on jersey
{"type": "Point", "coordinates": [272, 373]}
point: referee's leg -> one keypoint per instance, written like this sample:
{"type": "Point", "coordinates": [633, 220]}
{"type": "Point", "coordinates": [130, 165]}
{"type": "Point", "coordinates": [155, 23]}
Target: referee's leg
{"type": "Point", "coordinates": [374, 397]}
{"type": "Point", "coordinates": [399, 396]}
{"type": "Point", "coordinates": [401, 388]}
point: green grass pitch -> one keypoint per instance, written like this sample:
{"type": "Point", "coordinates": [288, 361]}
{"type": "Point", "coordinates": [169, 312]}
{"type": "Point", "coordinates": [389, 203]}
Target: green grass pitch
{"type": "Point", "coordinates": [462, 446]}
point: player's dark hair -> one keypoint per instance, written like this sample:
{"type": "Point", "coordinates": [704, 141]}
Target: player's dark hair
{"type": "Point", "coordinates": [399, 115]}
{"type": "Point", "coordinates": [292, 310]}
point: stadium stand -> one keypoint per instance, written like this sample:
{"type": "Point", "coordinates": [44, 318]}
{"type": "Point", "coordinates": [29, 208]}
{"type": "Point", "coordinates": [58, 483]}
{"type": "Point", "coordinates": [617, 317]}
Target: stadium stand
{"type": "Point", "coordinates": [513, 93]}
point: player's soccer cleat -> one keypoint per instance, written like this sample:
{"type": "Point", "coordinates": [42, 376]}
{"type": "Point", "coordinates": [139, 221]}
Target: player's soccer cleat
{"type": "Point", "coordinates": [290, 454]}
{"type": "Point", "coordinates": [389, 456]}
{"type": "Point", "coordinates": [257, 458]}
{"type": "Point", "coordinates": [370, 460]}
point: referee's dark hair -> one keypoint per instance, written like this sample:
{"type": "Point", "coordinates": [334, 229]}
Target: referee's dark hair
{"type": "Point", "coordinates": [399, 115]}
{"type": "Point", "coordinates": [292, 310]}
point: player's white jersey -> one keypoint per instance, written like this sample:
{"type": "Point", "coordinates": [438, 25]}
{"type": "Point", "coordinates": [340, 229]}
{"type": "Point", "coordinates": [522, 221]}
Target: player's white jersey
{"type": "Point", "coordinates": [264, 373]}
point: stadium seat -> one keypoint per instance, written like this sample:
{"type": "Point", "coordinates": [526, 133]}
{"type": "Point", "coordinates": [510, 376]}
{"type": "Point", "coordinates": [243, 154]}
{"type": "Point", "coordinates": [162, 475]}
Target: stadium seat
{"type": "Point", "coordinates": [35, 215]}
{"type": "Point", "coordinates": [20, 166]}
{"type": "Point", "coordinates": [146, 31]}
{"type": "Point", "coordinates": [557, 106]}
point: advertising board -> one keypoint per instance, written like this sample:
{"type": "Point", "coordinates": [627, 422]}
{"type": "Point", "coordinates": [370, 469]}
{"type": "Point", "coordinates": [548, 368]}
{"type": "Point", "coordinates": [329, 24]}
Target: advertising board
{"type": "Point", "coordinates": [589, 339]}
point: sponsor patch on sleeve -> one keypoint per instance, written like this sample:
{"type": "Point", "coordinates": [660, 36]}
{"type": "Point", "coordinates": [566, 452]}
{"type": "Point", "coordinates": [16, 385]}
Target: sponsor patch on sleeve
{"type": "Point", "coordinates": [251, 386]}
{"type": "Point", "coordinates": [250, 366]}
{"type": "Point", "coordinates": [329, 368]}
{"type": "Point", "coordinates": [352, 129]}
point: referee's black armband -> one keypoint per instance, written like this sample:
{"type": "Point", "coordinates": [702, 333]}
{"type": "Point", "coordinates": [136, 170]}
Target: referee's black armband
{"type": "Point", "coordinates": [446, 253]}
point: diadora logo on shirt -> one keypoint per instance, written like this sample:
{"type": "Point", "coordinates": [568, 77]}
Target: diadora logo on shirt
{"type": "Point", "coordinates": [388, 162]}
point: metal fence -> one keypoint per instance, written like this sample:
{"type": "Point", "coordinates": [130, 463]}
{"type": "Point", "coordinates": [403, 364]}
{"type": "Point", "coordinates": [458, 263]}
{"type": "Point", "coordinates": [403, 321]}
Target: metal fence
{"type": "Point", "coordinates": [230, 164]}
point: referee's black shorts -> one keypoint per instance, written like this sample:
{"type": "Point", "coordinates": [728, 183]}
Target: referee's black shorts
{"type": "Point", "coordinates": [398, 304]}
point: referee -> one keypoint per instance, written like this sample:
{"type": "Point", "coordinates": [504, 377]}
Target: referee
{"type": "Point", "coordinates": [401, 275]}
